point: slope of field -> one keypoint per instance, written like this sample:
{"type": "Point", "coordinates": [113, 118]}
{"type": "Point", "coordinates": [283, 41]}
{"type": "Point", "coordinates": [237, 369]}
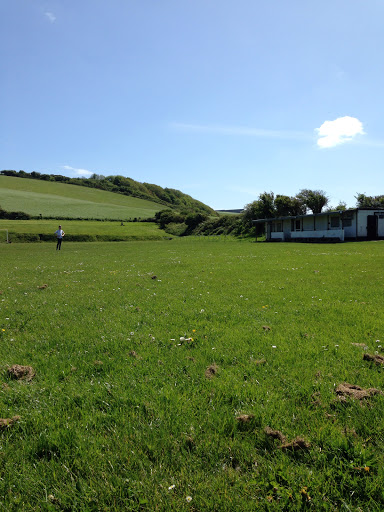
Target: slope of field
{"type": "Point", "coordinates": [54, 199]}
{"type": "Point", "coordinates": [190, 375]}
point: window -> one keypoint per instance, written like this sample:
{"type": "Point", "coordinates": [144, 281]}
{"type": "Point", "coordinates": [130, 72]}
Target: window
{"type": "Point", "coordinates": [347, 223]}
{"type": "Point", "coordinates": [297, 225]}
{"type": "Point", "coordinates": [335, 222]}
{"type": "Point", "coordinates": [277, 226]}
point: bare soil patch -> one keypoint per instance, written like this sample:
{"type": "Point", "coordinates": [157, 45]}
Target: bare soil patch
{"type": "Point", "coordinates": [245, 418]}
{"type": "Point", "coordinates": [376, 358]}
{"type": "Point", "coordinates": [211, 371]}
{"type": "Point", "coordinates": [298, 443]}
{"type": "Point", "coordinates": [275, 434]}
{"type": "Point", "coordinates": [8, 422]}
{"type": "Point", "coordinates": [346, 390]}
{"type": "Point", "coordinates": [20, 372]}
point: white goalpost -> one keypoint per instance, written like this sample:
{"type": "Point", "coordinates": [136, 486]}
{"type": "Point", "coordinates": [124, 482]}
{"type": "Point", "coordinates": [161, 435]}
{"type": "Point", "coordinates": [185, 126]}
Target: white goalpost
{"type": "Point", "coordinates": [7, 234]}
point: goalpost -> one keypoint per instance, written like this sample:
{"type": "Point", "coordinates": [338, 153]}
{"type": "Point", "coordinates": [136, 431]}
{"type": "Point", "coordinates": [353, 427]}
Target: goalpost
{"type": "Point", "coordinates": [7, 234]}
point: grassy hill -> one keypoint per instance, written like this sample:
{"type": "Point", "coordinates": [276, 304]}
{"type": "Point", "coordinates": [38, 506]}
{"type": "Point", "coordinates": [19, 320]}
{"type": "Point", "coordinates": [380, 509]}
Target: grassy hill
{"type": "Point", "coordinates": [168, 197]}
{"type": "Point", "coordinates": [53, 199]}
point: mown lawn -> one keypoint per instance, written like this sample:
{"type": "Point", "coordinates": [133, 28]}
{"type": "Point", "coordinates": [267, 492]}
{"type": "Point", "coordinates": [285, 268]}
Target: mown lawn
{"type": "Point", "coordinates": [191, 375]}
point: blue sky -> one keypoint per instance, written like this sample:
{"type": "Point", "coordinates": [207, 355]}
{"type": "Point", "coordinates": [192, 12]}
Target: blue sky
{"type": "Point", "coordinates": [221, 99]}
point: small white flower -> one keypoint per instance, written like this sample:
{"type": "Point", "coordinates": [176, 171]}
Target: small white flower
{"type": "Point", "coordinates": [182, 338]}
{"type": "Point", "coordinates": [171, 487]}
{"type": "Point", "coordinates": [189, 498]}
{"type": "Point", "coordinates": [274, 346]}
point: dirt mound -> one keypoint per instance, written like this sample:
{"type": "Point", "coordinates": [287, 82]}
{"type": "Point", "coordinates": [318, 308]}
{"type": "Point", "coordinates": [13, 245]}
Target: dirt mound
{"type": "Point", "coordinates": [275, 434]}
{"type": "Point", "coordinates": [21, 372]}
{"type": "Point", "coordinates": [245, 418]}
{"type": "Point", "coordinates": [8, 422]}
{"type": "Point", "coordinates": [42, 287]}
{"type": "Point", "coordinates": [297, 444]}
{"type": "Point", "coordinates": [211, 371]}
{"type": "Point", "coordinates": [377, 359]}
{"type": "Point", "coordinates": [345, 390]}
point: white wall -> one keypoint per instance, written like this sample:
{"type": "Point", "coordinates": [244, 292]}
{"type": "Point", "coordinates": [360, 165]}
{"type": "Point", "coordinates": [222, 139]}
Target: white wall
{"type": "Point", "coordinates": [362, 222]}
{"type": "Point", "coordinates": [326, 233]}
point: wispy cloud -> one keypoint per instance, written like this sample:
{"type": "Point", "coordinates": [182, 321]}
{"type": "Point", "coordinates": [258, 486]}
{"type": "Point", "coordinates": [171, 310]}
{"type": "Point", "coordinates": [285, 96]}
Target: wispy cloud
{"type": "Point", "coordinates": [339, 131]}
{"type": "Point", "coordinates": [78, 172]}
{"type": "Point", "coordinates": [51, 17]}
{"type": "Point", "coordinates": [216, 129]}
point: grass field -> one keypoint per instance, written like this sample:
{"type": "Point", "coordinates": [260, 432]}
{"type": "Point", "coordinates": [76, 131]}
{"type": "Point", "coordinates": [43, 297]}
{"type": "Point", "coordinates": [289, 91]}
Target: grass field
{"type": "Point", "coordinates": [147, 355]}
{"type": "Point", "coordinates": [31, 230]}
{"type": "Point", "coordinates": [55, 199]}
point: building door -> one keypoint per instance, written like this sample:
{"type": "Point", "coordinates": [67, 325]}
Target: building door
{"type": "Point", "coordinates": [372, 227]}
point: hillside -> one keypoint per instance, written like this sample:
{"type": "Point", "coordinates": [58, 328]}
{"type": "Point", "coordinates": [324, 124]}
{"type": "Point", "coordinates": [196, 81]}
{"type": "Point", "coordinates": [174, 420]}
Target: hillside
{"type": "Point", "coordinates": [53, 199]}
{"type": "Point", "coordinates": [121, 185]}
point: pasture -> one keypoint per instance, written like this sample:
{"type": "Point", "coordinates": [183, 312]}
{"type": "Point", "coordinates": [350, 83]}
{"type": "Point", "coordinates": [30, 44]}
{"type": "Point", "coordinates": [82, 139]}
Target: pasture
{"type": "Point", "coordinates": [190, 375]}
{"type": "Point", "coordinates": [53, 199]}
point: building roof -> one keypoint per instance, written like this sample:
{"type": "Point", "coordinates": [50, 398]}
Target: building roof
{"type": "Point", "coordinates": [335, 212]}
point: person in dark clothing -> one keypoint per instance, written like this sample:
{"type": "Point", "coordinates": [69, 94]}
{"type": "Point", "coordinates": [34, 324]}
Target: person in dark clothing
{"type": "Point", "coordinates": [59, 233]}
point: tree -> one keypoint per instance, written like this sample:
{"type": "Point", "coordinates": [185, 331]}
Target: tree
{"type": "Point", "coordinates": [314, 200]}
{"type": "Point", "coordinates": [363, 201]}
{"type": "Point", "coordinates": [262, 208]}
{"type": "Point", "coordinates": [342, 206]}
{"type": "Point", "coordinates": [283, 205]}
{"type": "Point", "coordinates": [286, 206]}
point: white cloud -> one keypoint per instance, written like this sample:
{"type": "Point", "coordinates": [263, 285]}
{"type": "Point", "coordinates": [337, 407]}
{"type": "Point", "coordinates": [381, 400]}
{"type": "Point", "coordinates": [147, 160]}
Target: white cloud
{"type": "Point", "coordinates": [78, 172]}
{"type": "Point", "coordinates": [50, 16]}
{"type": "Point", "coordinates": [339, 131]}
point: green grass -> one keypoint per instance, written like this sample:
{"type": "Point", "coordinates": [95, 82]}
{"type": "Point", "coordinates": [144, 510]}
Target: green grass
{"type": "Point", "coordinates": [54, 199]}
{"type": "Point", "coordinates": [120, 409]}
{"type": "Point", "coordinates": [33, 230]}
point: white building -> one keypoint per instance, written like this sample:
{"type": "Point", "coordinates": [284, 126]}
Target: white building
{"type": "Point", "coordinates": [353, 224]}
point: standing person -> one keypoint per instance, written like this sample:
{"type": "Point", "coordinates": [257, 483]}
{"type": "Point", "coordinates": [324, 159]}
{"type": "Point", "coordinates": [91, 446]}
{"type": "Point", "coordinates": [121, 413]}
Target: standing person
{"type": "Point", "coordinates": [59, 233]}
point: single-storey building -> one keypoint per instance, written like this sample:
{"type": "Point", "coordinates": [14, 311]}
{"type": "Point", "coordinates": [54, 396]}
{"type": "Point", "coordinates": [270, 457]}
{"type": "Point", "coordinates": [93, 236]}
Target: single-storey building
{"type": "Point", "coordinates": [352, 224]}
